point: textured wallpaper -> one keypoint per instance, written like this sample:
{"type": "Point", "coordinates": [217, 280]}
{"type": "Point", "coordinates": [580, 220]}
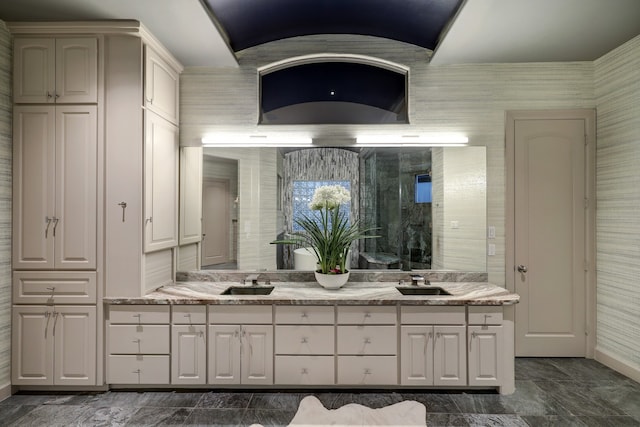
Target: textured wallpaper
{"type": "Point", "coordinates": [5, 206]}
{"type": "Point", "coordinates": [617, 88]}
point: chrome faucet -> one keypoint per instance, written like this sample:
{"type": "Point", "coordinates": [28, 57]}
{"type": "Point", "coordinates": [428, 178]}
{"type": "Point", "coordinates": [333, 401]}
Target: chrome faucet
{"type": "Point", "coordinates": [418, 280]}
{"type": "Point", "coordinates": [253, 280]}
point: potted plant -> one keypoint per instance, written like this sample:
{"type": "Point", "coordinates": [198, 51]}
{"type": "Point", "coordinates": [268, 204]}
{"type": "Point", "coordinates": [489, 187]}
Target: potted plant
{"type": "Point", "coordinates": [329, 234]}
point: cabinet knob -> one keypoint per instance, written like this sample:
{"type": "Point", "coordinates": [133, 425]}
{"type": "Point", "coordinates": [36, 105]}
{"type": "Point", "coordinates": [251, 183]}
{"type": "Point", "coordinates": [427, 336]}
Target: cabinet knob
{"type": "Point", "coordinates": [304, 340]}
{"type": "Point", "coordinates": [304, 315]}
{"type": "Point", "coordinates": [367, 340]}
{"type": "Point", "coordinates": [304, 371]}
{"type": "Point", "coordinates": [367, 371]}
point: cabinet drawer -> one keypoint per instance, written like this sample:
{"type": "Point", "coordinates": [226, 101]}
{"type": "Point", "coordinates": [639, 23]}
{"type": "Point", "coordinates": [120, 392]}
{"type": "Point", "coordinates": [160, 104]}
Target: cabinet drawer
{"type": "Point", "coordinates": [139, 314]}
{"type": "Point", "coordinates": [305, 314]}
{"type": "Point", "coordinates": [367, 340]}
{"type": "Point", "coordinates": [367, 315]}
{"type": "Point", "coordinates": [58, 287]}
{"type": "Point", "coordinates": [189, 315]}
{"type": "Point", "coordinates": [139, 339]}
{"type": "Point", "coordinates": [357, 370]}
{"type": "Point", "coordinates": [240, 314]}
{"type": "Point", "coordinates": [429, 315]}
{"type": "Point", "coordinates": [138, 369]}
{"type": "Point", "coordinates": [485, 315]}
{"type": "Point", "coordinates": [304, 370]}
{"type": "Point", "coordinates": [304, 339]}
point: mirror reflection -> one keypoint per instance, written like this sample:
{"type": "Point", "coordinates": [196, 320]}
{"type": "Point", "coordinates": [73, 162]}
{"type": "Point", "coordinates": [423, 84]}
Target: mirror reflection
{"type": "Point", "coordinates": [429, 205]}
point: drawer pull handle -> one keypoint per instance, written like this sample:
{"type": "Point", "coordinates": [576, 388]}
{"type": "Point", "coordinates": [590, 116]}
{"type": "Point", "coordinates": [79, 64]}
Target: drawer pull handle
{"type": "Point", "coordinates": [304, 340]}
{"type": "Point", "coordinates": [304, 315]}
{"type": "Point", "coordinates": [137, 371]}
{"type": "Point", "coordinates": [136, 341]}
{"type": "Point", "coordinates": [367, 340]}
{"type": "Point", "coordinates": [304, 371]}
{"type": "Point", "coordinates": [367, 371]}
{"type": "Point", "coordinates": [367, 315]}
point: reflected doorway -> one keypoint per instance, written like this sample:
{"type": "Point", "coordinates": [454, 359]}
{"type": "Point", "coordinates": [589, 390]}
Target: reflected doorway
{"type": "Point", "coordinates": [219, 214]}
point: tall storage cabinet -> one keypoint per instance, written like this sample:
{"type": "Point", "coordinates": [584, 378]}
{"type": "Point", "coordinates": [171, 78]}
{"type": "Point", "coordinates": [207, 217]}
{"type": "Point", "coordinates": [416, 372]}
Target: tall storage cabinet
{"type": "Point", "coordinates": [56, 163]}
{"type": "Point", "coordinates": [141, 169]}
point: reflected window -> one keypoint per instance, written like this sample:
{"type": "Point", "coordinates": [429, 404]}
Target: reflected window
{"type": "Point", "coordinates": [302, 195]}
{"type": "Point", "coordinates": [423, 188]}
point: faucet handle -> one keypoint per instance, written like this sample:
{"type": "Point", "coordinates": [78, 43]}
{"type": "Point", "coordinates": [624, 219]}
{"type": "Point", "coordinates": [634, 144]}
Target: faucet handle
{"type": "Point", "coordinates": [417, 279]}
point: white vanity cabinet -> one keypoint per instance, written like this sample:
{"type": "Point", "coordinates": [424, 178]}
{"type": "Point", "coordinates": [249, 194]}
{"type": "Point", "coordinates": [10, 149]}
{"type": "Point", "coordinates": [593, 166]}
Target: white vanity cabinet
{"type": "Point", "coordinates": [367, 345]}
{"type": "Point", "coordinates": [54, 345]}
{"type": "Point", "coordinates": [486, 345]}
{"type": "Point", "coordinates": [55, 187]}
{"type": "Point", "coordinates": [304, 345]}
{"type": "Point", "coordinates": [188, 344]}
{"type": "Point", "coordinates": [55, 70]}
{"type": "Point", "coordinates": [433, 350]}
{"type": "Point", "coordinates": [161, 89]}
{"type": "Point", "coordinates": [240, 344]}
{"type": "Point", "coordinates": [138, 344]}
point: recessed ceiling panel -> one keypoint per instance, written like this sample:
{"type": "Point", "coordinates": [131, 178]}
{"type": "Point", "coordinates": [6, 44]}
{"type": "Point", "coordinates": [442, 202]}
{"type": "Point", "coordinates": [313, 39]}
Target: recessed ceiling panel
{"type": "Point", "coordinates": [333, 92]}
{"type": "Point", "coordinates": [252, 22]}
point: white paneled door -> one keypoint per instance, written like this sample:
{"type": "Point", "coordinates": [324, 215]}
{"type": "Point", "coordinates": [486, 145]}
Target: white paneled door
{"type": "Point", "coordinates": [550, 235]}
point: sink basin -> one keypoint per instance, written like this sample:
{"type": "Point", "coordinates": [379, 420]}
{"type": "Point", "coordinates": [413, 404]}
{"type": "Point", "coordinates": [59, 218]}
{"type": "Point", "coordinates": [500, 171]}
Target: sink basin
{"type": "Point", "coordinates": [415, 290]}
{"type": "Point", "coordinates": [247, 290]}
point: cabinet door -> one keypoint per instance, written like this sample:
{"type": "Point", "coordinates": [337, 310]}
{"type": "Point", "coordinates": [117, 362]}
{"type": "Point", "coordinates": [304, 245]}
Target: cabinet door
{"type": "Point", "coordinates": [74, 329]}
{"type": "Point", "coordinates": [485, 355]}
{"type": "Point", "coordinates": [33, 187]}
{"type": "Point", "coordinates": [33, 70]}
{"type": "Point", "coordinates": [190, 195]}
{"type": "Point", "coordinates": [32, 345]}
{"type": "Point", "coordinates": [416, 350]}
{"type": "Point", "coordinates": [224, 354]}
{"type": "Point", "coordinates": [161, 86]}
{"type": "Point", "coordinates": [449, 355]}
{"type": "Point", "coordinates": [257, 354]}
{"type": "Point", "coordinates": [160, 184]}
{"type": "Point", "coordinates": [188, 354]}
{"type": "Point", "coordinates": [76, 70]}
{"type": "Point", "coordinates": [75, 228]}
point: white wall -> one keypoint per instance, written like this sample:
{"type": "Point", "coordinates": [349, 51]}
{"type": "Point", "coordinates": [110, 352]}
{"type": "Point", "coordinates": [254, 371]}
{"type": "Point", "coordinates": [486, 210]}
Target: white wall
{"type": "Point", "coordinates": [617, 89]}
{"type": "Point", "coordinates": [471, 99]}
{"type": "Point", "coordinates": [5, 206]}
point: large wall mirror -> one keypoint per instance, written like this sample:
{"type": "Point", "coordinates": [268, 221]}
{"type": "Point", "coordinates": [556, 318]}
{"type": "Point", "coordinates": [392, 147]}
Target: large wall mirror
{"type": "Point", "coordinates": [428, 203]}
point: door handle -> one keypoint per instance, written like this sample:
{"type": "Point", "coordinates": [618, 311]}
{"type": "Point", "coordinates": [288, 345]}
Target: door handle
{"type": "Point", "coordinates": [522, 268]}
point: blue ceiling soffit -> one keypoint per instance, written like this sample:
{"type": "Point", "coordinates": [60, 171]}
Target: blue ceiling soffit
{"type": "Point", "coordinates": [249, 23]}
{"type": "Point", "coordinates": [333, 92]}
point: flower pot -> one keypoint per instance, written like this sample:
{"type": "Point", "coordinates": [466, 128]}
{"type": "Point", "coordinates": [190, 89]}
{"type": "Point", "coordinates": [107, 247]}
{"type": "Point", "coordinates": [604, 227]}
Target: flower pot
{"type": "Point", "coordinates": [332, 281]}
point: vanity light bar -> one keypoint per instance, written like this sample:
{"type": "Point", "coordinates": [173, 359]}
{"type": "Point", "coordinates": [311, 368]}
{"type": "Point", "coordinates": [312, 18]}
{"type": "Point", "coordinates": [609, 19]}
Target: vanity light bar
{"type": "Point", "coordinates": [255, 141]}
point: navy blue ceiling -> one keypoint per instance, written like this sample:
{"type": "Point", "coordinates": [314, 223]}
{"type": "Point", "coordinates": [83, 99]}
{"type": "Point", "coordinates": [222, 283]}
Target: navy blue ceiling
{"type": "Point", "coordinates": [250, 23]}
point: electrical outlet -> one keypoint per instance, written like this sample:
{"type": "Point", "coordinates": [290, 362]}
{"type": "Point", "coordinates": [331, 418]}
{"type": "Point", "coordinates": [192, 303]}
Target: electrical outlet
{"type": "Point", "coordinates": [491, 249]}
{"type": "Point", "coordinates": [491, 234]}
{"type": "Point", "coordinates": [455, 224]}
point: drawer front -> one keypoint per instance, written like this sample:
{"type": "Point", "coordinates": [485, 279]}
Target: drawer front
{"type": "Point", "coordinates": [429, 315]}
{"type": "Point", "coordinates": [367, 340]}
{"type": "Point", "coordinates": [361, 370]}
{"type": "Point", "coordinates": [139, 339]}
{"type": "Point", "coordinates": [57, 287]}
{"type": "Point", "coordinates": [140, 369]}
{"type": "Point", "coordinates": [367, 315]}
{"type": "Point", "coordinates": [304, 339]}
{"type": "Point", "coordinates": [240, 314]}
{"type": "Point", "coordinates": [305, 315]}
{"type": "Point", "coordinates": [485, 315]}
{"type": "Point", "coordinates": [304, 370]}
{"type": "Point", "coordinates": [189, 314]}
{"type": "Point", "coordinates": [139, 314]}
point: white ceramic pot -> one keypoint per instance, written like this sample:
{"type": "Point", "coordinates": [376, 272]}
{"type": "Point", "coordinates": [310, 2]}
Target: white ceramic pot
{"type": "Point", "coordinates": [332, 281]}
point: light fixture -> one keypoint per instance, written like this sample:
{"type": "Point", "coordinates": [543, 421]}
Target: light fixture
{"type": "Point", "coordinates": [235, 140]}
{"type": "Point", "coordinates": [414, 140]}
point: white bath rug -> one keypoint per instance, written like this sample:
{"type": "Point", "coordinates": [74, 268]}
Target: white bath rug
{"type": "Point", "coordinates": [312, 413]}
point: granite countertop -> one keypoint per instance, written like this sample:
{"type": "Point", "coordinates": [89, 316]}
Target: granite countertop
{"type": "Point", "coordinates": [300, 293]}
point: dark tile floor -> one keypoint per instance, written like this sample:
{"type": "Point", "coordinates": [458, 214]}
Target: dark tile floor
{"type": "Point", "coordinates": [549, 392]}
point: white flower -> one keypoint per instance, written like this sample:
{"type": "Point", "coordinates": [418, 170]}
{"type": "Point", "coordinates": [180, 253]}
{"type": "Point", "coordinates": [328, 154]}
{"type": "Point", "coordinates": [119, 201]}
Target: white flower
{"type": "Point", "coordinates": [329, 196]}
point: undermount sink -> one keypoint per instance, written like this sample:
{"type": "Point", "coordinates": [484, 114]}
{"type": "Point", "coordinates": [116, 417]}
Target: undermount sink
{"type": "Point", "coordinates": [415, 290]}
{"type": "Point", "coordinates": [247, 290]}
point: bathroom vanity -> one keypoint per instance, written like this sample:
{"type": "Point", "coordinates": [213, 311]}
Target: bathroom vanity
{"type": "Point", "coordinates": [366, 334]}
